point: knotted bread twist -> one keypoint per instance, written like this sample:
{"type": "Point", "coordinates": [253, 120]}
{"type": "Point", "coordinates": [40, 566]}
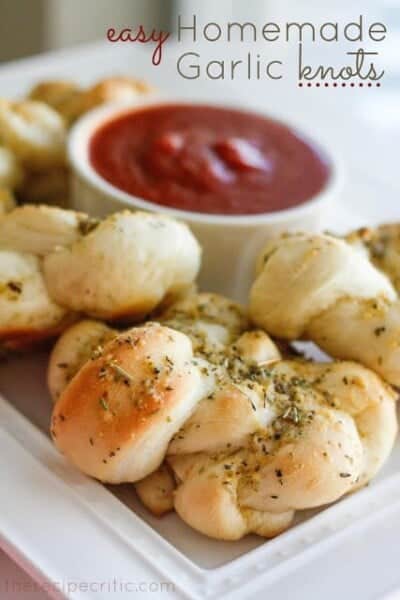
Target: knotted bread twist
{"type": "Point", "coordinates": [319, 288]}
{"type": "Point", "coordinates": [382, 246]}
{"type": "Point", "coordinates": [71, 101]}
{"type": "Point", "coordinates": [55, 263]}
{"type": "Point", "coordinates": [248, 438]}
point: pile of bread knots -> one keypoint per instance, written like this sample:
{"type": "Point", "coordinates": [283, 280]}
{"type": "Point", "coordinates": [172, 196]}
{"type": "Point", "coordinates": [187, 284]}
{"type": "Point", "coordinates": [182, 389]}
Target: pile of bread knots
{"type": "Point", "coordinates": [57, 265]}
{"type": "Point", "coordinates": [178, 393]}
{"type": "Point", "coordinates": [33, 134]}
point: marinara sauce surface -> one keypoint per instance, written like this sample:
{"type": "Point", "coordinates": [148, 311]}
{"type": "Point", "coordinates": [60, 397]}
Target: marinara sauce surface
{"type": "Point", "coordinates": [208, 159]}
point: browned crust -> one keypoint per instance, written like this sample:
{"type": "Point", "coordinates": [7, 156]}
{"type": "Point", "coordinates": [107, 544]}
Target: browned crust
{"type": "Point", "coordinates": [25, 338]}
{"type": "Point", "coordinates": [113, 410]}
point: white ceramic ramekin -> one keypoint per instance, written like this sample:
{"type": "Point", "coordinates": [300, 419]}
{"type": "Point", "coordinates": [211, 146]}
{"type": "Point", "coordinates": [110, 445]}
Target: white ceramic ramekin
{"type": "Point", "coordinates": [230, 243]}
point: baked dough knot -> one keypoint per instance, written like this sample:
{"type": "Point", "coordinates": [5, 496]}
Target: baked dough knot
{"type": "Point", "coordinates": [319, 288]}
{"type": "Point", "coordinates": [207, 418]}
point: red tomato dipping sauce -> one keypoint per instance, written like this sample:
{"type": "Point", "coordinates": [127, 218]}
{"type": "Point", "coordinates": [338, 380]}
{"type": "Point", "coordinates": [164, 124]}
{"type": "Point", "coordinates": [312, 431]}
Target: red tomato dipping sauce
{"type": "Point", "coordinates": [208, 159]}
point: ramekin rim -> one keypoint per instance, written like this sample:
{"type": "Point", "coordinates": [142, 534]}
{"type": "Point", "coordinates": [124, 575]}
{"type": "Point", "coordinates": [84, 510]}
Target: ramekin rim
{"type": "Point", "coordinates": [78, 156]}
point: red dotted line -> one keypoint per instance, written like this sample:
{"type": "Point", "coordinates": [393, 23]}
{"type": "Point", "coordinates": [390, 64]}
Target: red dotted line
{"type": "Point", "coordinates": [335, 84]}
